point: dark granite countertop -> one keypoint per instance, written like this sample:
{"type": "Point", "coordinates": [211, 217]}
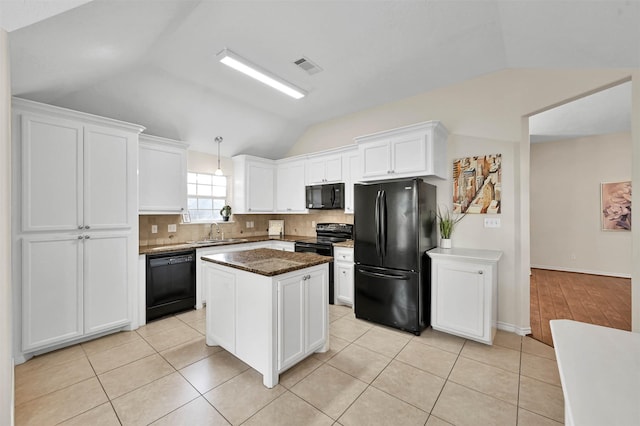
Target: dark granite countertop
{"type": "Point", "coordinates": [165, 248]}
{"type": "Point", "coordinates": [267, 262]}
{"type": "Point", "coordinates": [346, 244]}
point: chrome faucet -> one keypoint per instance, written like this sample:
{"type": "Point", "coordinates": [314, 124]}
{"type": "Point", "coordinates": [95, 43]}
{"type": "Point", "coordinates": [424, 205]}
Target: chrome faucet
{"type": "Point", "coordinates": [211, 231]}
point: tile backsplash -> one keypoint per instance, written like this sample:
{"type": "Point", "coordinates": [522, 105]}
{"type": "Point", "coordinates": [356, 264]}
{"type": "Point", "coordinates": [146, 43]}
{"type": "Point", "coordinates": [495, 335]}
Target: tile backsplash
{"type": "Point", "coordinates": [294, 224]}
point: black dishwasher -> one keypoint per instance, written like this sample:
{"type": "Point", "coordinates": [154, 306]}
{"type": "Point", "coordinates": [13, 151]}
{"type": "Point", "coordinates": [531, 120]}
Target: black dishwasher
{"type": "Point", "coordinates": [171, 283]}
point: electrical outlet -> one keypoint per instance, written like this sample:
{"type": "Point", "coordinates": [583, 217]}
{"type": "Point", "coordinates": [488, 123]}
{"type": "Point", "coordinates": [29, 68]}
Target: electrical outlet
{"type": "Point", "coordinates": [172, 228]}
{"type": "Point", "coordinates": [313, 223]}
{"type": "Point", "coordinates": [249, 224]}
{"type": "Point", "coordinates": [492, 222]}
{"type": "Point", "coordinates": [573, 256]}
{"type": "Point", "coordinates": [154, 229]}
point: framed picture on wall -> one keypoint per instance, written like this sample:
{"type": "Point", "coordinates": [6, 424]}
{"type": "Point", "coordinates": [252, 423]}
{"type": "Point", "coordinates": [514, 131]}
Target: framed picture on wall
{"type": "Point", "coordinates": [477, 184]}
{"type": "Point", "coordinates": [615, 206]}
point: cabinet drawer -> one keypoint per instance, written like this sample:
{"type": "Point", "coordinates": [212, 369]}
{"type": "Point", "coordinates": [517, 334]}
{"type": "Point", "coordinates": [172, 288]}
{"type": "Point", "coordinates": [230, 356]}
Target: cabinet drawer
{"type": "Point", "coordinates": [343, 254]}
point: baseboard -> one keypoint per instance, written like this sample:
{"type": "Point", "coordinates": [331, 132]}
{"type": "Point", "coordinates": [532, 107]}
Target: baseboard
{"type": "Point", "coordinates": [521, 331]}
{"type": "Point", "coordinates": [581, 271]}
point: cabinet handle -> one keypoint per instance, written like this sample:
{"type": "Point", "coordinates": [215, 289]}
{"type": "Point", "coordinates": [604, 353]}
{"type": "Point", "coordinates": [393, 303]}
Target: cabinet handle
{"type": "Point", "coordinates": [80, 237]}
{"type": "Point", "coordinates": [86, 237]}
{"type": "Point", "coordinates": [87, 227]}
{"type": "Point", "coordinates": [480, 272]}
{"type": "Point", "coordinates": [80, 226]}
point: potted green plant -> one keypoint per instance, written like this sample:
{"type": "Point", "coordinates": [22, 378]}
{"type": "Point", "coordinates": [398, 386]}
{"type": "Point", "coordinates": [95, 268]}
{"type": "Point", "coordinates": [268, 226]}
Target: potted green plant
{"type": "Point", "coordinates": [225, 212]}
{"type": "Point", "coordinates": [447, 220]}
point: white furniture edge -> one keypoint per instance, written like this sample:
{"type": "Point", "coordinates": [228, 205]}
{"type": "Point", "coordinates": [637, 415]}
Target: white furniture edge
{"type": "Point", "coordinates": [600, 373]}
{"type": "Point", "coordinates": [466, 254]}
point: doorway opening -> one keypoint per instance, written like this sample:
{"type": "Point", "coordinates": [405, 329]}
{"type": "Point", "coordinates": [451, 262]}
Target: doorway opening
{"type": "Point", "coordinates": [580, 247]}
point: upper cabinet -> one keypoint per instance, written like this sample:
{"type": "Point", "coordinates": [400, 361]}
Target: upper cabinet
{"type": "Point", "coordinates": [77, 171]}
{"type": "Point", "coordinates": [351, 167]}
{"type": "Point", "coordinates": [324, 169]}
{"type": "Point", "coordinates": [290, 191]}
{"type": "Point", "coordinates": [416, 150]}
{"type": "Point", "coordinates": [162, 175]}
{"type": "Point", "coordinates": [253, 184]}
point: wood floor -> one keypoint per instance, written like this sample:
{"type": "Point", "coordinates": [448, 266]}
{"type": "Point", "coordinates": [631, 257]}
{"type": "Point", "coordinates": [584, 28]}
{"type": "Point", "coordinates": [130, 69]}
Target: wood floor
{"type": "Point", "coordinates": [593, 299]}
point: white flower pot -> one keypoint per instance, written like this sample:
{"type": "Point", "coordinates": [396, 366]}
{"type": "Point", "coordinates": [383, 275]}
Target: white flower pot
{"type": "Point", "coordinates": [445, 243]}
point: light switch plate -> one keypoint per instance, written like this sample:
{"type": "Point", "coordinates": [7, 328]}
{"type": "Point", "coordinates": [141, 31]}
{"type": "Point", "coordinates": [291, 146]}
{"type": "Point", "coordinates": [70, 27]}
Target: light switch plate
{"type": "Point", "coordinates": [492, 222]}
{"type": "Point", "coordinates": [172, 228]}
{"type": "Point", "coordinates": [154, 229]}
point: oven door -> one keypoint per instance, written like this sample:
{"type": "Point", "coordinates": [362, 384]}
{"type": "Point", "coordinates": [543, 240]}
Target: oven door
{"type": "Point", "coordinates": [323, 250]}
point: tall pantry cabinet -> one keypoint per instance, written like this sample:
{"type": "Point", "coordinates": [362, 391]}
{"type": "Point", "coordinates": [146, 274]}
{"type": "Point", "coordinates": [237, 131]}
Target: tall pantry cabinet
{"type": "Point", "coordinates": [74, 225]}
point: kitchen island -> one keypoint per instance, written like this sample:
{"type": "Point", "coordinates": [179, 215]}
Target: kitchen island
{"type": "Point", "coordinates": [268, 307]}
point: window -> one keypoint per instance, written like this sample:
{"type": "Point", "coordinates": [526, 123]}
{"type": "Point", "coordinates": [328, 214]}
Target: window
{"type": "Point", "coordinates": [206, 194]}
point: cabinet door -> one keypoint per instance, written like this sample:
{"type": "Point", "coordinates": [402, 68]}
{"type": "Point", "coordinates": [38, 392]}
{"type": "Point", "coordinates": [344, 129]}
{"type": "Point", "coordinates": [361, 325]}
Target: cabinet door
{"type": "Point", "coordinates": [110, 189]}
{"type": "Point", "coordinates": [344, 282]}
{"type": "Point", "coordinates": [162, 179]}
{"type": "Point", "coordinates": [221, 307]}
{"type": "Point", "coordinates": [51, 174]}
{"type": "Point", "coordinates": [352, 175]}
{"type": "Point", "coordinates": [290, 193]}
{"type": "Point", "coordinates": [316, 301]}
{"type": "Point", "coordinates": [260, 187]}
{"type": "Point", "coordinates": [333, 169]}
{"type": "Point", "coordinates": [408, 154]}
{"type": "Point", "coordinates": [375, 159]}
{"type": "Point", "coordinates": [106, 282]}
{"type": "Point", "coordinates": [315, 171]}
{"type": "Point", "coordinates": [291, 327]}
{"type": "Point", "coordinates": [52, 308]}
{"type": "Point", "coordinates": [459, 294]}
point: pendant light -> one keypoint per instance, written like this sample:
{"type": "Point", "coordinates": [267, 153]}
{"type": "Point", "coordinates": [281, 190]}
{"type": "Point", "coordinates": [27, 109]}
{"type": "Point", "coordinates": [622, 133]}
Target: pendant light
{"type": "Point", "coordinates": [218, 171]}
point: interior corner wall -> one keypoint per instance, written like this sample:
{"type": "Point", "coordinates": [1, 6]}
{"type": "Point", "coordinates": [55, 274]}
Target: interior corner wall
{"type": "Point", "coordinates": [6, 329]}
{"type": "Point", "coordinates": [566, 229]}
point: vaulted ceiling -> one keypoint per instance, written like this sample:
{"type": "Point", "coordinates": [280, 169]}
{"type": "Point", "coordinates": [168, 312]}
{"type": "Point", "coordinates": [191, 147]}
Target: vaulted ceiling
{"type": "Point", "coordinates": [154, 62]}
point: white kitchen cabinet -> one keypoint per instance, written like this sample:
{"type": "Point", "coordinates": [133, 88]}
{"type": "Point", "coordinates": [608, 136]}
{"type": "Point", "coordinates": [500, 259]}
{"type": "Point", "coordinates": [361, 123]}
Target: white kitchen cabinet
{"type": "Point", "coordinates": [464, 292]}
{"type": "Point", "coordinates": [282, 245]}
{"type": "Point", "coordinates": [324, 168]}
{"type": "Point", "coordinates": [162, 175]}
{"type": "Point", "coordinates": [290, 188]}
{"type": "Point", "coordinates": [343, 275]}
{"type": "Point", "coordinates": [302, 315]}
{"type": "Point", "coordinates": [270, 323]}
{"type": "Point", "coordinates": [416, 150]}
{"type": "Point", "coordinates": [253, 184]}
{"type": "Point", "coordinates": [74, 225]}
{"type": "Point", "coordinates": [52, 290]}
{"type": "Point", "coordinates": [351, 167]}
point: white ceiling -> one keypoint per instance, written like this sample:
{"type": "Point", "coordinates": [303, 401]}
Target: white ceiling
{"type": "Point", "coordinates": [153, 62]}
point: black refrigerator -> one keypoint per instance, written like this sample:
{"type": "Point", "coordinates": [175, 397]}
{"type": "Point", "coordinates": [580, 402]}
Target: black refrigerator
{"type": "Point", "coordinates": [394, 225]}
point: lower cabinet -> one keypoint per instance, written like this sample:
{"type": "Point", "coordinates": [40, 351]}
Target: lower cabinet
{"type": "Point", "coordinates": [73, 286]}
{"type": "Point", "coordinates": [343, 275]}
{"type": "Point", "coordinates": [302, 325]}
{"type": "Point", "coordinates": [464, 292]}
{"type": "Point", "coordinates": [270, 323]}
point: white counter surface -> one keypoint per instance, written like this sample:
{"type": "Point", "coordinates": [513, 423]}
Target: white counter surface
{"type": "Point", "coordinates": [466, 253]}
{"type": "Point", "coordinates": [600, 373]}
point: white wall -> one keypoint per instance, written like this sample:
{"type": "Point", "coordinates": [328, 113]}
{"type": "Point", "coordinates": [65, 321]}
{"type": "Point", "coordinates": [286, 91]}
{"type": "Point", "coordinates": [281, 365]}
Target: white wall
{"type": "Point", "coordinates": [484, 116]}
{"type": "Point", "coordinates": [6, 346]}
{"type": "Point", "coordinates": [566, 231]}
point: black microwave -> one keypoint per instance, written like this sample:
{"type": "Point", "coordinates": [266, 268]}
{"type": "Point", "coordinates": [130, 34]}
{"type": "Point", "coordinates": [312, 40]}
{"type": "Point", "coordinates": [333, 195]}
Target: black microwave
{"type": "Point", "coordinates": [327, 196]}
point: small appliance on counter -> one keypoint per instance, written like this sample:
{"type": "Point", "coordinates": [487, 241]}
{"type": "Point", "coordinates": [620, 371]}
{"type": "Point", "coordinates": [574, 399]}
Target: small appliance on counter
{"type": "Point", "coordinates": [276, 228]}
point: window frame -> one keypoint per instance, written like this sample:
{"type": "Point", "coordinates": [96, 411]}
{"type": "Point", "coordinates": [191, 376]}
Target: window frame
{"type": "Point", "coordinates": [215, 199]}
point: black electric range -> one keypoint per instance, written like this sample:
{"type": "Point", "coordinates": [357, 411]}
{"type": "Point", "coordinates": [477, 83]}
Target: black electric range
{"type": "Point", "coordinates": [326, 235]}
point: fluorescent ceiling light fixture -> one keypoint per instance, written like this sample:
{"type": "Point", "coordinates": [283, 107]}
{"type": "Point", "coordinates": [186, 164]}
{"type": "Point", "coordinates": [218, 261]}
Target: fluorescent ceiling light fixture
{"type": "Point", "coordinates": [238, 63]}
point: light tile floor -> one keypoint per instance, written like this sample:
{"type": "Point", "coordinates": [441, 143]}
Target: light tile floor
{"type": "Point", "coordinates": [164, 374]}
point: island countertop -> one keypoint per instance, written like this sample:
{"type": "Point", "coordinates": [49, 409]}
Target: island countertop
{"type": "Point", "coordinates": [267, 262]}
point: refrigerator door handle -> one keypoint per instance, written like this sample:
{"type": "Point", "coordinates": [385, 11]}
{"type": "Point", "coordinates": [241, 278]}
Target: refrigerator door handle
{"type": "Point", "coordinates": [381, 275]}
{"type": "Point", "coordinates": [383, 223]}
{"type": "Point", "coordinates": [377, 221]}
